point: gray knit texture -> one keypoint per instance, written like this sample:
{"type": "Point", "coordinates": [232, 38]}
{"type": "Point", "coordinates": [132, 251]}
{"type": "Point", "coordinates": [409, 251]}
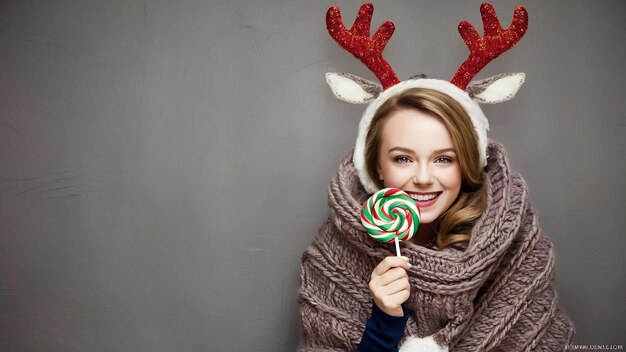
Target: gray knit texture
{"type": "Point", "coordinates": [499, 294]}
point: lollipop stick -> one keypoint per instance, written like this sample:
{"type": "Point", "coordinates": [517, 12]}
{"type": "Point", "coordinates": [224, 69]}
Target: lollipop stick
{"type": "Point", "coordinates": [397, 246]}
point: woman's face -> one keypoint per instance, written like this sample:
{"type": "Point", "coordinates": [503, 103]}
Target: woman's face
{"type": "Point", "coordinates": [417, 156]}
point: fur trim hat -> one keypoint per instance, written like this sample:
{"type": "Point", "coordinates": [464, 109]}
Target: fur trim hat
{"type": "Point", "coordinates": [356, 90]}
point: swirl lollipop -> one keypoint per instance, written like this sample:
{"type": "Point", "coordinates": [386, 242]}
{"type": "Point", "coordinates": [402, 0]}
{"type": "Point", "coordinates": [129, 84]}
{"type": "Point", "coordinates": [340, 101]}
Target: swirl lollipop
{"type": "Point", "coordinates": [391, 215]}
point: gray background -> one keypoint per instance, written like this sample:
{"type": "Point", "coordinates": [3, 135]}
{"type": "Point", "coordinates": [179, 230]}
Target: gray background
{"type": "Point", "coordinates": [163, 164]}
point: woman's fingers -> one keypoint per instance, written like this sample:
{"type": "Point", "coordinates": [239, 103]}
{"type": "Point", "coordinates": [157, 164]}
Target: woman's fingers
{"type": "Point", "coordinates": [392, 304]}
{"type": "Point", "coordinates": [391, 262]}
{"type": "Point", "coordinates": [396, 286]}
{"type": "Point", "coordinates": [391, 275]}
{"type": "Point", "coordinates": [379, 291]}
{"type": "Point", "coordinates": [398, 298]}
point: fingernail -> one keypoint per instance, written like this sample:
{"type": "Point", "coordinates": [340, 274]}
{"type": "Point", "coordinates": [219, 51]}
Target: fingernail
{"type": "Point", "coordinates": [405, 258]}
{"type": "Point", "coordinates": [410, 265]}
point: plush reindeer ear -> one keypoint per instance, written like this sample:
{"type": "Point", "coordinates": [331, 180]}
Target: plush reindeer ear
{"type": "Point", "coordinates": [496, 89]}
{"type": "Point", "coordinates": [352, 89]}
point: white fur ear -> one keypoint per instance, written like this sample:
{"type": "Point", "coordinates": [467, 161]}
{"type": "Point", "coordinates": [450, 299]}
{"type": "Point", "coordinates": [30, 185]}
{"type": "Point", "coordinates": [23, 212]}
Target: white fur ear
{"type": "Point", "coordinates": [496, 89]}
{"type": "Point", "coordinates": [352, 89]}
{"type": "Point", "coordinates": [416, 344]}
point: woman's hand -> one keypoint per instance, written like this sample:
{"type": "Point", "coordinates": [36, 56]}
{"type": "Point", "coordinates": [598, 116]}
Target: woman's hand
{"type": "Point", "coordinates": [389, 285]}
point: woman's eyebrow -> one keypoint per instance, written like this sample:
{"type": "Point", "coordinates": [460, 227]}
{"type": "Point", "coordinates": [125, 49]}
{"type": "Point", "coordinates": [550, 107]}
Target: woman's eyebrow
{"type": "Point", "coordinates": [409, 151]}
{"type": "Point", "coordinates": [401, 149]}
{"type": "Point", "coordinates": [445, 150]}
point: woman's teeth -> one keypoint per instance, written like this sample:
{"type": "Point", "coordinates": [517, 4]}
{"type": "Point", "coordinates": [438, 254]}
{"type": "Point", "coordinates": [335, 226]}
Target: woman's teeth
{"type": "Point", "coordinates": [422, 198]}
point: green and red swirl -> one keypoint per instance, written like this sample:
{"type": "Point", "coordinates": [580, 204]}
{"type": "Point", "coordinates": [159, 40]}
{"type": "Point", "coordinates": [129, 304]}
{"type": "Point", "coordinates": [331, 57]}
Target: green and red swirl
{"type": "Point", "coordinates": [390, 213]}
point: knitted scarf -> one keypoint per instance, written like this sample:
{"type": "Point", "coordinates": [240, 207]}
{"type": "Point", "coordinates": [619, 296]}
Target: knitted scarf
{"type": "Point", "coordinates": [499, 294]}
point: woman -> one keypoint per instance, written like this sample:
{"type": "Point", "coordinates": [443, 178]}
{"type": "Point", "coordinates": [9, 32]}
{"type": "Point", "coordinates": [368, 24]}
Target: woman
{"type": "Point", "coordinates": [479, 275]}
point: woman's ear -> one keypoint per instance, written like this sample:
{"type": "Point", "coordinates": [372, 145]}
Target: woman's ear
{"type": "Point", "coordinates": [379, 171]}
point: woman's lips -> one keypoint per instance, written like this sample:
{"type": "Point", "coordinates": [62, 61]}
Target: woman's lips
{"type": "Point", "coordinates": [425, 203]}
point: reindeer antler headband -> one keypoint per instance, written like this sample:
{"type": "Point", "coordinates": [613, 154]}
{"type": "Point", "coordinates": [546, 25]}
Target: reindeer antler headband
{"type": "Point", "coordinates": [356, 90]}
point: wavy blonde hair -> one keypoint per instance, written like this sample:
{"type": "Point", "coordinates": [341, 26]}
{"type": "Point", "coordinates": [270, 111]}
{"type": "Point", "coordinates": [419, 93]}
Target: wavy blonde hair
{"type": "Point", "coordinates": [455, 224]}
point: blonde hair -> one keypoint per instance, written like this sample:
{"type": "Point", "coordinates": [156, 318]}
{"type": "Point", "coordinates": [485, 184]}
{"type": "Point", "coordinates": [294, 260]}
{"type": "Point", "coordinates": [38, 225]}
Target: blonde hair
{"type": "Point", "coordinates": [456, 223]}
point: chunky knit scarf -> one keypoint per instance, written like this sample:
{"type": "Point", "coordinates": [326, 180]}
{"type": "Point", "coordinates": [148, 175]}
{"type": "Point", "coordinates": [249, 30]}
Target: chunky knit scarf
{"type": "Point", "coordinates": [499, 294]}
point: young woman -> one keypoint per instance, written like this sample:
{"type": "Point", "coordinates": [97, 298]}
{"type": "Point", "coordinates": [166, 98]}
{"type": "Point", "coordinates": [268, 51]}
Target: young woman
{"type": "Point", "coordinates": [479, 275]}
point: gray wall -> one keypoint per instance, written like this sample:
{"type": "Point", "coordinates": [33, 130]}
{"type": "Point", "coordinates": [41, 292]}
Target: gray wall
{"type": "Point", "coordinates": [163, 164]}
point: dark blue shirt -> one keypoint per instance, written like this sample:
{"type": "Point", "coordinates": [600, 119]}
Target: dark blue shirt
{"type": "Point", "coordinates": [383, 332]}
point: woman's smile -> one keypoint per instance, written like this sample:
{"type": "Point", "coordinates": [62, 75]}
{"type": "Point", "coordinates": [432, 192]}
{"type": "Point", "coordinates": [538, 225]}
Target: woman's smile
{"type": "Point", "coordinates": [424, 200]}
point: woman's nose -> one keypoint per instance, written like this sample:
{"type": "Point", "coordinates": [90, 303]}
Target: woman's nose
{"type": "Point", "coordinates": [423, 175]}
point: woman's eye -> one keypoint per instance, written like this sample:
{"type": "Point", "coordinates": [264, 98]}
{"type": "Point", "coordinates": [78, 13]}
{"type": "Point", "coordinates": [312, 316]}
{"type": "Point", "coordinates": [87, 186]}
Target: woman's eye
{"type": "Point", "coordinates": [402, 159]}
{"type": "Point", "coordinates": [444, 159]}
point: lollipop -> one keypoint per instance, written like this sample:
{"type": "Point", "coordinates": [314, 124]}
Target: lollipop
{"type": "Point", "coordinates": [391, 215]}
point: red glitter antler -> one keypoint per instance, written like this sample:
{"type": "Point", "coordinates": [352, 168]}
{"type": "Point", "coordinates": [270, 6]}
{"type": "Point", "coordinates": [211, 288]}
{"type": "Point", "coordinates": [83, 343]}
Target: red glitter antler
{"type": "Point", "coordinates": [495, 42]}
{"type": "Point", "coordinates": [358, 42]}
